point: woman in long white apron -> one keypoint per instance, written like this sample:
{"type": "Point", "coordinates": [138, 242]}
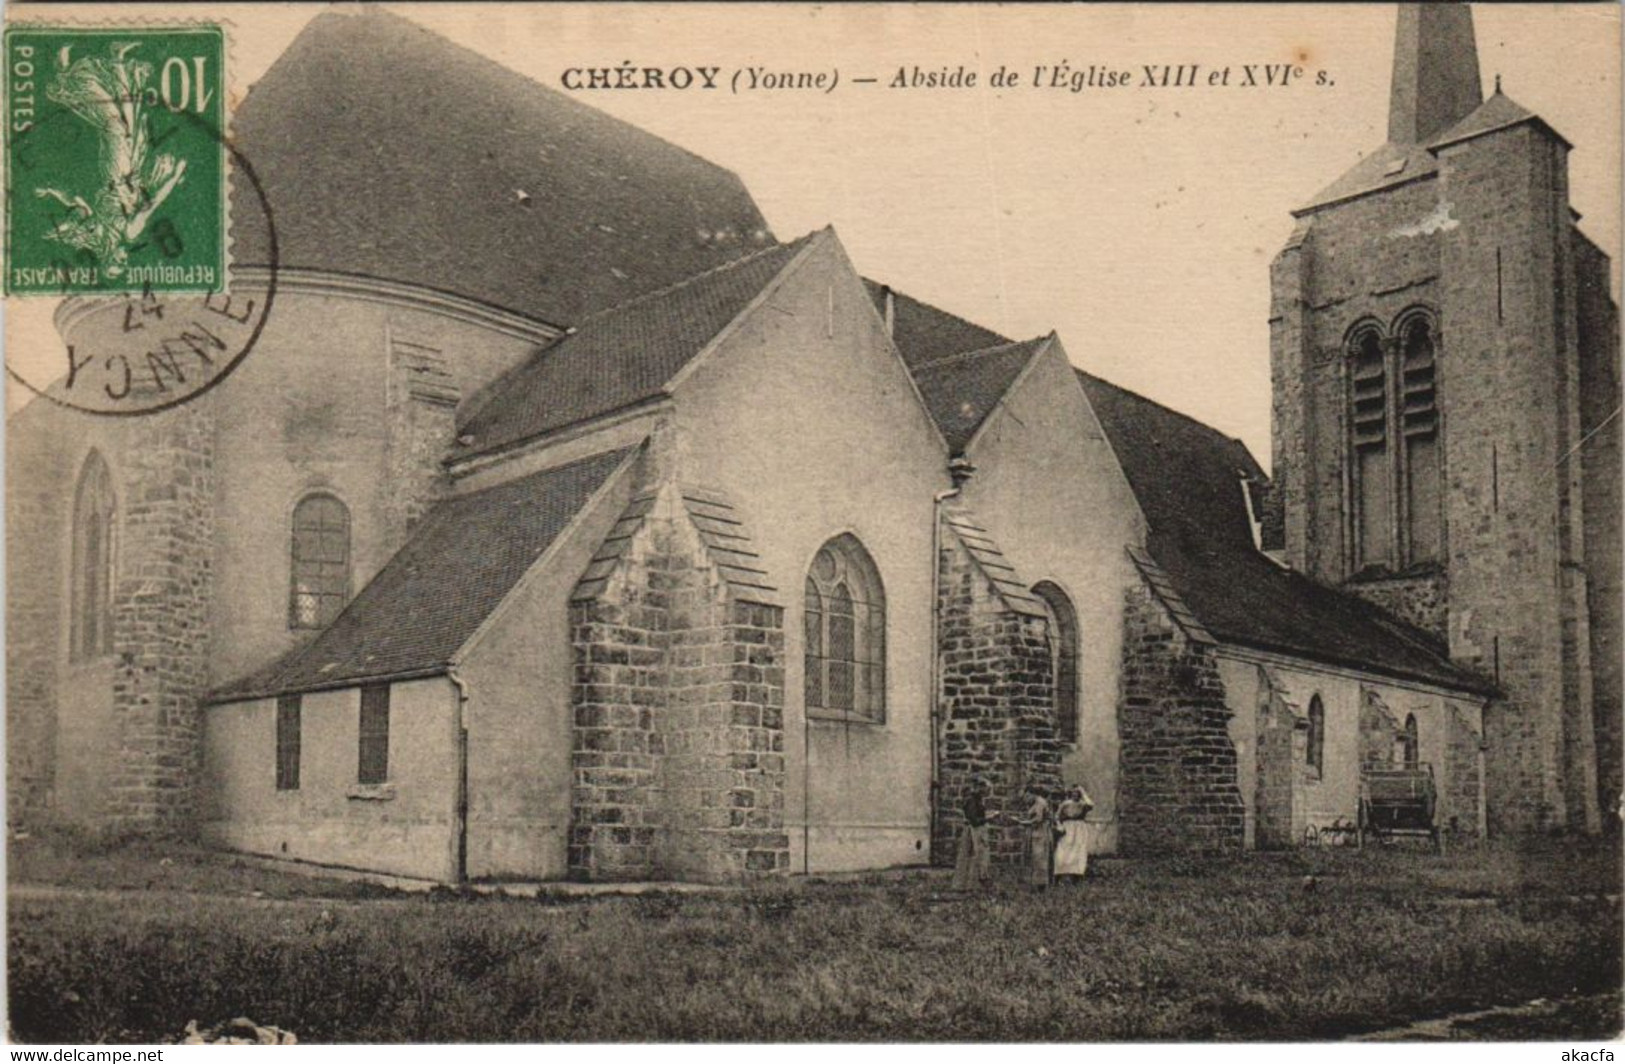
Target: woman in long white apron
{"type": "Point", "coordinates": [1072, 851]}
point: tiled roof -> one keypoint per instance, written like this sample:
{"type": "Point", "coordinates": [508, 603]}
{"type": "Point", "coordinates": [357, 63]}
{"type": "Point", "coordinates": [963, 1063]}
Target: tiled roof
{"type": "Point", "coordinates": [421, 608]}
{"type": "Point", "coordinates": [1188, 480]}
{"type": "Point", "coordinates": [923, 333]}
{"type": "Point", "coordinates": [622, 356]}
{"type": "Point", "coordinates": [962, 390]}
{"type": "Point", "coordinates": [387, 151]}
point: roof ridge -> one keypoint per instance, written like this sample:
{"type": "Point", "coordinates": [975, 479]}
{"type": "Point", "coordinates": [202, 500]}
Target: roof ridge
{"type": "Point", "coordinates": [617, 308]}
{"type": "Point", "coordinates": [370, 9]}
{"type": "Point", "coordinates": [959, 355]}
{"type": "Point", "coordinates": [1192, 418]}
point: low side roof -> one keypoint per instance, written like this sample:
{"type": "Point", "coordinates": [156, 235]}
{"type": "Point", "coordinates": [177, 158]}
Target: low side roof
{"type": "Point", "coordinates": [1188, 479]}
{"type": "Point", "coordinates": [421, 608]}
{"type": "Point", "coordinates": [387, 151]}
{"type": "Point", "coordinates": [620, 357]}
{"type": "Point", "coordinates": [962, 390]}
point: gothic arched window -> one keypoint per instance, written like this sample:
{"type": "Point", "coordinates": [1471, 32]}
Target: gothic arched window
{"type": "Point", "coordinates": [1419, 422]}
{"type": "Point", "coordinates": [1373, 493]}
{"type": "Point", "coordinates": [1063, 626]}
{"type": "Point", "coordinates": [319, 580]}
{"type": "Point", "coordinates": [90, 631]}
{"type": "Point", "coordinates": [1410, 750]}
{"type": "Point", "coordinates": [1316, 755]}
{"type": "Point", "coordinates": [845, 619]}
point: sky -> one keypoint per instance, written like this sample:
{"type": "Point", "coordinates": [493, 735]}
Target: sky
{"type": "Point", "coordinates": [1137, 223]}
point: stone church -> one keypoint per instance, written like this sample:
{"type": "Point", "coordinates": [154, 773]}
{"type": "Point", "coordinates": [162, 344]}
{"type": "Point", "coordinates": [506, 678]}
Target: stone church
{"type": "Point", "coordinates": [590, 530]}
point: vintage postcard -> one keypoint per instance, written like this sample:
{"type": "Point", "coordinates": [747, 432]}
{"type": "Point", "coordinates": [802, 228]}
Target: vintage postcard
{"type": "Point", "coordinates": [813, 523]}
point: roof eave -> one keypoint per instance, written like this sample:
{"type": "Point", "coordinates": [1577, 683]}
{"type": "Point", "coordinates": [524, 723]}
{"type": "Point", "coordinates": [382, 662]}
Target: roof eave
{"type": "Point", "coordinates": [215, 698]}
{"type": "Point", "coordinates": [1316, 206]}
{"type": "Point", "coordinates": [1439, 145]}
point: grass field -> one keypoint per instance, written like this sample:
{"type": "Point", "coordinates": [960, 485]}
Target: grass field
{"type": "Point", "coordinates": [1147, 950]}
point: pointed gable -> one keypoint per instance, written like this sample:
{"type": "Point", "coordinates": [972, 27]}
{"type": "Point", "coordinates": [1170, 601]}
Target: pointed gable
{"type": "Point", "coordinates": [618, 358]}
{"type": "Point", "coordinates": [390, 152]}
{"type": "Point", "coordinates": [961, 390]}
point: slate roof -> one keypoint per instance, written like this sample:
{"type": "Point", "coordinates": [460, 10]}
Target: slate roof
{"type": "Point", "coordinates": [620, 357]}
{"type": "Point", "coordinates": [924, 333]}
{"type": "Point", "coordinates": [1498, 112]}
{"type": "Point", "coordinates": [1389, 165]}
{"type": "Point", "coordinates": [463, 559]}
{"type": "Point", "coordinates": [387, 151]}
{"type": "Point", "coordinates": [962, 390]}
{"type": "Point", "coordinates": [1395, 164]}
{"type": "Point", "coordinates": [1187, 478]}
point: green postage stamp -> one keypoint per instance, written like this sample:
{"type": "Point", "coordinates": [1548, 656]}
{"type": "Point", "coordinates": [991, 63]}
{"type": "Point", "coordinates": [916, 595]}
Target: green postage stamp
{"type": "Point", "coordinates": [115, 160]}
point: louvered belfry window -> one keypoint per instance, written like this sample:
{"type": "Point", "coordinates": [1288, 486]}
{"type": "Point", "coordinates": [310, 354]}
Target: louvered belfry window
{"type": "Point", "coordinates": [844, 618]}
{"type": "Point", "coordinates": [1373, 482]}
{"type": "Point", "coordinates": [320, 570]}
{"type": "Point", "coordinates": [1396, 466]}
{"type": "Point", "coordinates": [1419, 420]}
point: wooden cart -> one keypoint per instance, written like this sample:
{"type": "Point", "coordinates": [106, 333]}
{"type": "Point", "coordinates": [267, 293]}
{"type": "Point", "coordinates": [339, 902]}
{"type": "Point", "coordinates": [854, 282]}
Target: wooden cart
{"type": "Point", "coordinates": [1399, 801]}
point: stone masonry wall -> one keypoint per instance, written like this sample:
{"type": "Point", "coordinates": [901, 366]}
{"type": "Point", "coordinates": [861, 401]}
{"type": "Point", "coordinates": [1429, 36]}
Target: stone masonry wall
{"type": "Point", "coordinates": [1179, 789]}
{"type": "Point", "coordinates": [1421, 600]}
{"type": "Point", "coordinates": [997, 723]}
{"type": "Point", "coordinates": [422, 411]}
{"type": "Point", "coordinates": [1600, 457]}
{"type": "Point", "coordinates": [1463, 764]}
{"type": "Point", "coordinates": [1379, 730]}
{"type": "Point", "coordinates": [35, 566]}
{"type": "Point", "coordinates": [160, 618]}
{"type": "Point", "coordinates": [678, 744]}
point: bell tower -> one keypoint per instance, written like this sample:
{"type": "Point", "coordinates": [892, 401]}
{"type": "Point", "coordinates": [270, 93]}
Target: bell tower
{"type": "Point", "coordinates": [1446, 439]}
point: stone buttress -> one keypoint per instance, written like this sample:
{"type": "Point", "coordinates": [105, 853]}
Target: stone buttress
{"type": "Point", "coordinates": [678, 698]}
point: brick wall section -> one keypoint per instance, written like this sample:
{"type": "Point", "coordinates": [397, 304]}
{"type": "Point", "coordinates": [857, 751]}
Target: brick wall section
{"type": "Point", "coordinates": [678, 744]}
{"type": "Point", "coordinates": [997, 701]}
{"type": "Point", "coordinates": [1422, 600]}
{"type": "Point", "coordinates": [160, 618]}
{"type": "Point", "coordinates": [1178, 789]}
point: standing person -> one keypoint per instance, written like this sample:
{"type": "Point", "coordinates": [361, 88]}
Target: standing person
{"type": "Point", "coordinates": [972, 864]}
{"type": "Point", "coordinates": [1072, 852]}
{"type": "Point", "coordinates": [1040, 823]}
